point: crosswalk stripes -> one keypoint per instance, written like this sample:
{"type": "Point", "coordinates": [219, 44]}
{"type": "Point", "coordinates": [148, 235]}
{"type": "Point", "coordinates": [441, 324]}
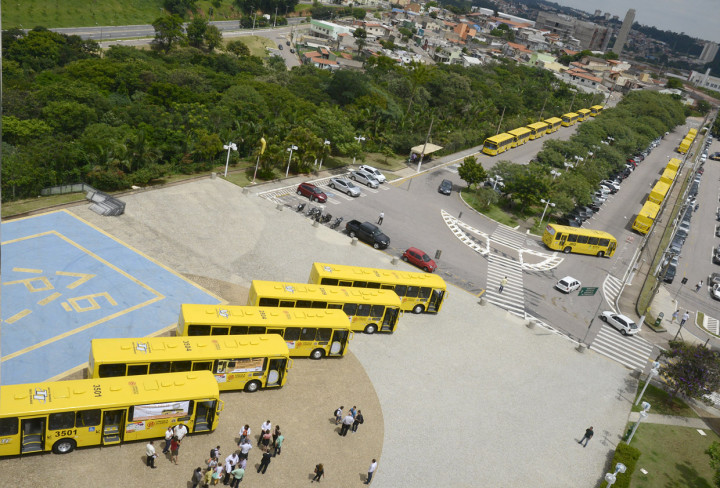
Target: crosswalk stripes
{"type": "Point", "coordinates": [631, 351]}
{"type": "Point", "coordinates": [508, 237]}
{"type": "Point", "coordinates": [712, 325]}
{"type": "Point", "coordinates": [611, 288]}
{"type": "Point", "coordinates": [458, 228]}
{"type": "Point", "coordinates": [512, 297]}
{"type": "Point", "coordinates": [549, 261]}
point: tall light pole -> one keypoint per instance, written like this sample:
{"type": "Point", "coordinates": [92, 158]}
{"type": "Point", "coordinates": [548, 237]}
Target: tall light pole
{"type": "Point", "coordinates": [568, 165]}
{"type": "Point", "coordinates": [578, 160]}
{"type": "Point", "coordinates": [326, 143]}
{"type": "Point", "coordinates": [555, 173]}
{"type": "Point", "coordinates": [359, 140]}
{"type": "Point", "coordinates": [611, 478]}
{"type": "Point", "coordinates": [643, 416]}
{"type": "Point", "coordinates": [230, 146]}
{"type": "Point", "coordinates": [290, 149]}
{"type": "Point", "coordinates": [653, 372]}
{"type": "Point", "coordinates": [546, 202]}
{"type": "Point", "coordinates": [275, 21]}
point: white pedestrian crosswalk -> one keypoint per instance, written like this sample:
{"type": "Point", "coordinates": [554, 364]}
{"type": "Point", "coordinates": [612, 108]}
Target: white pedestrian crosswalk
{"type": "Point", "coordinates": [631, 351]}
{"type": "Point", "coordinates": [712, 324]}
{"type": "Point", "coordinates": [512, 297]}
{"type": "Point", "coordinates": [509, 237]}
{"type": "Point", "coordinates": [478, 242]}
{"type": "Point", "coordinates": [611, 288]}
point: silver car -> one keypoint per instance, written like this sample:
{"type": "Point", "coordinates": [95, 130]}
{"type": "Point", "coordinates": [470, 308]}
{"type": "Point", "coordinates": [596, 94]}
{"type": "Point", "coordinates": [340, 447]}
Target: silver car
{"type": "Point", "coordinates": [365, 178]}
{"type": "Point", "coordinates": [344, 185]}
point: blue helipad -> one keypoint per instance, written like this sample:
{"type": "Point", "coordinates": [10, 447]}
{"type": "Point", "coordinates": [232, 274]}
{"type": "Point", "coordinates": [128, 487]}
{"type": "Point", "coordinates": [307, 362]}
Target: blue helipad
{"type": "Point", "coordinates": [65, 282]}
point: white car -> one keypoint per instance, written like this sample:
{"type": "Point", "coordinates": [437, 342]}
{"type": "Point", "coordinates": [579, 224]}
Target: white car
{"type": "Point", "coordinates": [373, 171]}
{"type": "Point", "coordinates": [622, 323]}
{"type": "Point", "coordinates": [364, 177]}
{"type": "Point", "coordinates": [567, 284]}
{"type": "Point", "coordinates": [345, 186]}
{"type": "Point", "coordinates": [715, 291]}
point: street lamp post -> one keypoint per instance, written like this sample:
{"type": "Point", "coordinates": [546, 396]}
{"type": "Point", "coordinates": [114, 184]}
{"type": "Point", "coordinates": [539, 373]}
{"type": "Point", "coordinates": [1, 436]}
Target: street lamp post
{"type": "Point", "coordinates": [359, 139]}
{"type": "Point", "coordinates": [546, 202]}
{"type": "Point", "coordinates": [568, 165]}
{"type": "Point", "coordinates": [555, 174]}
{"type": "Point", "coordinates": [230, 146]}
{"type": "Point", "coordinates": [290, 149]}
{"type": "Point", "coordinates": [643, 416]}
{"type": "Point", "coordinates": [653, 372]}
{"type": "Point", "coordinates": [578, 160]}
{"type": "Point", "coordinates": [326, 143]}
{"type": "Point", "coordinates": [497, 179]}
{"type": "Point", "coordinates": [612, 477]}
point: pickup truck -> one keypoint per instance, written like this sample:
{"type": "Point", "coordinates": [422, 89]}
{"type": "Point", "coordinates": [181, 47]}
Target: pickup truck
{"type": "Point", "coordinates": [368, 233]}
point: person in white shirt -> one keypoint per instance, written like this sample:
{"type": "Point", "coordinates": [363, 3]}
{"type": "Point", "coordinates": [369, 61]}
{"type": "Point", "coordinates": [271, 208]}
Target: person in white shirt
{"type": "Point", "coordinates": [244, 433]}
{"type": "Point", "coordinates": [346, 423]}
{"type": "Point", "coordinates": [265, 427]}
{"type": "Point", "coordinates": [245, 448]}
{"type": "Point", "coordinates": [169, 433]}
{"type": "Point", "coordinates": [151, 455]}
{"type": "Point", "coordinates": [230, 463]}
{"type": "Point", "coordinates": [180, 431]}
{"type": "Point", "coordinates": [371, 471]}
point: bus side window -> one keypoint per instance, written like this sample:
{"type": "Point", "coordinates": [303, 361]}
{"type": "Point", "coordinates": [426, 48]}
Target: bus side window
{"type": "Point", "coordinates": [9, 426]}
{"type": "Point", "coordinates": [319, 304]}
{"type": "Point", "coordinates": [572, 238]}
{"type": "Point", "coordinates": [400, 290]}
{"type": "Point", "coordinates": [308, 334]}
{"type": "Point", "coordinates": [180, 366]}
{"type": "Point", "coordinates": [238, 330]}
{"type": "Point", "coordinates": [360, 284]}
{"type": "Point", "coordinates": [329, 281]}
{"type": "Point", "coordinates": [373, 285]}
{"type": "Point", "coordinates": [137, 369]}
{"type": "Point", "coordinates": [324, 334]}
{"type": "Point", "coordinates": [268, 302]}
{"type": "Point", "coordinates": [292, 334]}
{"type": "Point", "coordinates": [412, 291]}
{"type": "Point", "coordinates": [604, 242]}
{"type": "Point", "coordinates": [111, 370]}
{"type": "Point", "coordinates": [220, 367]}
{"type": "Point", "coordinates": [87, 418]}
{"type": "Point", "coordinates": [387, 287]}
{"type": "Point", "coordinates": [363, 310]}
{"type": "Point", "coordinates": [160, 367]}
{"type": "Point", "coordinates": [303, 304]}
{"type": "Point", "coordinates": [256, 329]}
{"type": "Point", "coordinates": [582, 239]}
{"type": "Point", "coordinates": [593, 241]}
{"type": "Point", "coordinates": [286, 303]}
{"type": "Point", "coordinates": [62, 420]}
{"type": "Point", "coordinates": [345, 283]}
{"type": "Point", "coordinates": [558, 236]}
{"type": "Point", "coordinates": [424, 292]}
{"type": "Point", "coordinates": [202, 366]}
{"type": "Point", "coordinates": [198, 330]}
{"type": "Point", "coordinates": [377, 310]}
{"type": "Point", "coordinates": [350, 308]}
{"type": "Point", "coordinates": [336, 306]}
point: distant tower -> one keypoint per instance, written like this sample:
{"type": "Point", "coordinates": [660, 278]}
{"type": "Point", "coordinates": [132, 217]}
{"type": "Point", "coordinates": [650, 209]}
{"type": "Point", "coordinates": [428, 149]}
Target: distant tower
{"type": "Point", "coordinates": [708, 53]}
{"type": "Point", "coordinates": [624, 30]}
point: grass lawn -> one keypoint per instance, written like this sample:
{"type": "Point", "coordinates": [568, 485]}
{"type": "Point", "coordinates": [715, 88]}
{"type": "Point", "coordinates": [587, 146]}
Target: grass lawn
{"type": "Point", "coordinates": [21, 206]}
{"type": "Point", "coordinates": [658, 398]}
{"type": "Point", "coordinates": [494, 212]}
{"type": "Point", "coordinates": [674, 457]}
{"type": "Point", "coordinates": [256, 44]}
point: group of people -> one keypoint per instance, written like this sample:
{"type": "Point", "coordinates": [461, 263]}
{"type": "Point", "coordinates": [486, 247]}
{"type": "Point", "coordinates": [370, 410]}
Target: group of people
{"type": "Point", "coordinates": [351, 421]}
{"type": "Point", "coordinates": [173, 438]}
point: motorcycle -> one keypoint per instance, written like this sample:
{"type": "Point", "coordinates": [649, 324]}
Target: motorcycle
{"type": "Point", "coordinates": [300, 207]}
{"type": "Point", "coordinates": [326, 218]}
{"type": "Point", "coordinates": [311, 211]}
{"type": "Point", "coordinates": [337, 223]}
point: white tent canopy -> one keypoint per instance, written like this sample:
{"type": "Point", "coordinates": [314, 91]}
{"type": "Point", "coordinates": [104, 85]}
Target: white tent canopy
{"type": "Point", "coordinates": [429, 149]}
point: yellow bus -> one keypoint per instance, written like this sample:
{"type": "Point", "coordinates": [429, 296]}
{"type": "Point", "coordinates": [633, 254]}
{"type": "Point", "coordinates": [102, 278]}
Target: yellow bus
{"type": "Point", "coordinates": [237, 362]}
{"type": "Point", "coordinates": [674, 165]}
{"type": "Point", "coordinates": [668, 176]}
{"type": "Point", "coordinates": [646, 217]}
{"type": "Point", "coordinates": [419, 292]}
{"type": "Point", "coordinates": [553, 124]}
{"type": "Point", "coordinates": [521, 135]}
{"type": "Point", "coordinates": [497, 144]}
{"type": "Point", "coordinates": [595, 110]}
{"type": "Point", "coordinates": [658, 192]}
{"type": "Point", "coordinates": [537, 130]}
{"type": "Point", "coordinates": [307, 333]}
{"type": "Point", "coordinates": [63, 415]}
{"type": "Point", "coordinates": [569, 119]}
{"type": "Point", "coordinates": [369, 311]}
{"type": "Point", "coordinates": [584, 114]}
{"type": "Point", "coordinates": [684, 146]}
{"type": "Point", "coordinates": [579, 240]}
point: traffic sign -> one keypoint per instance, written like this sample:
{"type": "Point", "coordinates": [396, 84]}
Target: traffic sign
{"type": "Point", "coordinates": [587, 291]}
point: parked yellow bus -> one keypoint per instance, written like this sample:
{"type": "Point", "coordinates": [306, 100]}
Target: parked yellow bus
{"type": "Point", "coordinates": [307, 333]}
{"type": "Point", "coordinates": [497, 144]}
{"type": "Point", "coordinates": [419, 292]}
{"type": "Point", "coordinates": [569, 119]}
{"type": "Point", "coordinates": [595, 110]}
{"type": "Point", "coordinates": [238, 362]}
{"type": "Point", "coordinates": [657, 194]}
{"type": "Point", "coordinates": [584, 114]}
{"type": "Point", "coordinates": [674, 165]}
{"type": "Point", "coordinates": [63, 415]}
{"type": "Point", "coordinates": [646, 217]}
{"type": "Point", "coordinates": [668, 176]}
{"type": "Point", "coordinates": [521, 135]}
{"type": "Point", "coordinates": [553, 124]}
{"type": "Point", "coordinates": [579, 240]}
{"type": "Point", "coordinates": [537, 130]}
{"type": "Point", "coordinates": [369, 310]}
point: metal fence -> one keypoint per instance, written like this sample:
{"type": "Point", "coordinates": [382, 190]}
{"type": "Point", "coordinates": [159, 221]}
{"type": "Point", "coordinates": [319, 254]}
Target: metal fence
{"type": "Point", "coordinates": [63, 189]}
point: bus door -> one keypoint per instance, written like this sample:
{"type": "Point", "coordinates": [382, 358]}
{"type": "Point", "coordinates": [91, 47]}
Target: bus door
{"type": "Point", "coordinates": [338, 342]}
{"type": "Point", "coordinates": [276, 371]}
{"type": "Point", "coordinates": [113, 426]}
{"type": "Point", "coordinates": [435, 300]}
{"type": "Point", "coordinates": [390, 319]}
{"type": "Point", "coordinates": [204, 416]}
{"type": "Point", "coordinates": [33, 435]}
{"type": "Point", "coordinates": [563, 238]}
{"type": "Point", "coordinates": [611, 248]}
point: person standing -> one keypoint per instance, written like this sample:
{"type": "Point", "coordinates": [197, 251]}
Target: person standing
{"type": "Point", "coordinates": [353, 411]}
{"type": "Point", "coordinates": [207, 478]}
{"type": "Point", "coordinates": [675, 316]}
{"type": "Point", "coordinates": [265, 427]}
{"type": "Point", "coordinates": [275, 435]}
{"type": "Point", "coordinates": [197, 477]}
{"type": "Point", "coordinates": [380, 218]}
{"type": "Point", "coordinates": [238, 474]}
{"type": "Point", "coordinates": [244, 434]}
{"type": "Point", "coordinates": [346, 423]}
{"type": "Point", "coordinates": [215, 452]}
{"type": "Point", "coordinates": [265, 462]}
{"type": "Point", "coordinates": [685, 317]}
{"type": "Point", "coordinates": [245, 449]}
{"type": "Point", "coordinates": [174, 448]}
{"type": "Point", "coordinates": [151, 454]}
{"type": "Point", "coordinates": [278, 444]}
{"type": "Point", "coordinates": [230, 463]}
{"type": "Point", "coordinates": [371, 471]}
{"type": "Point", "coordinates": [358, 420]}
{"type": "Point", "coordinates": [698, 286]}
{"type": "Point", "coordinates": [180, 432]}
{"type": "Point", "coordinates": [338, 415]}
{"type": "Point", "coordinates": [319, 472]}
{"type": "Point", "coordinates": [588, 435]}
{"type": "Point", "coordinates": [503, 282]}
{"type": "Point", "coordinates": [168, 438]}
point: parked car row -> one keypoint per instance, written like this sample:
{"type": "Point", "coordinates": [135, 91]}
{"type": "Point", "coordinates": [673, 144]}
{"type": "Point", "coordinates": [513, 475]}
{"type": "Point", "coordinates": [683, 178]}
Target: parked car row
{"type": "Point", "coordinates": [366, 174]}
{"type": "Point", "coordinates": [682, 231]}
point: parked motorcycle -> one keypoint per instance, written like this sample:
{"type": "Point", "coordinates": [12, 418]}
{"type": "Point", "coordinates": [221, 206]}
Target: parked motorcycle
{"type": "Point", "coordinates": [326, 218]}
{"type": "Point", "coordinates": [300, 207]}
{"type": "Point", "coordinates": [337, 223]}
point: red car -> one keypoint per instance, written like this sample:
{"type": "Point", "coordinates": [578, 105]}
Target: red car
{"type": "Point", "coordinates": [312, 192]}
{"type": "Point", "coordinates": [418, 258]}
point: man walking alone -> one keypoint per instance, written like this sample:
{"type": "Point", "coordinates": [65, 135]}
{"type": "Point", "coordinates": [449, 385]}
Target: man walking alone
{"type": "Point", "coordinates": [588, 435]}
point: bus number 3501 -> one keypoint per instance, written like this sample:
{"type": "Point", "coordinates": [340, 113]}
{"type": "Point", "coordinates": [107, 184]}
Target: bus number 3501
{"type": "Point", "coordinates": [63, 433]}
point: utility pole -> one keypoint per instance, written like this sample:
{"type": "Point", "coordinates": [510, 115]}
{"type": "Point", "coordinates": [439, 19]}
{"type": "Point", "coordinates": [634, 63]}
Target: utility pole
{"type": "Point", "coordinates": [427, 138]}
{"type": "Point", "coordinates": [543, 109]}
{"type": "Point", "coordinates": [500, 123]}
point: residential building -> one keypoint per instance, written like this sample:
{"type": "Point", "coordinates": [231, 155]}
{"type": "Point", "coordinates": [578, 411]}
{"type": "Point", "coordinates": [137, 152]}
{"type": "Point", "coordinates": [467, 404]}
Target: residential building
{"type": "Point", "coordinates": [589, 35]}
{"type": "Point", "coordinates": [705, 80]}
{"type": "Point", "coordinates": [624, 30]}
{"type": "Point", "coordinates": [328, 30]}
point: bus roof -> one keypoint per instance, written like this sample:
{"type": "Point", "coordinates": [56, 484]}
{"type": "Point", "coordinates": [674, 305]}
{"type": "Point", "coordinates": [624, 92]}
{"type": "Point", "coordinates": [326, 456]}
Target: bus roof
{"type": "Point", "coordinates": [583, 111]}
{"type": "Point", "coordinates": [661, 188]}
{"type": "Point", "coordinates": [570, 114]}
{"type": "Point", "coordinates": [538, 125]}
{"type": "Point", "coordinates": [553, 120]}
{"type": "Point", "coordinates": [389, 276]}
{"type": "Point", "coordinates": [650, 210]}
{"type": "Point", "coordinates": [596, 107]}
{"type": "Point", "coordinates": [580, 231]}
{"type": "Point", "coordinates": [188, 348]}
{"type": "Point", "coordinates": [669, 173]}
{"type": "Point", "coordinates": [51, 396]}
{"type": "Point", "coordinates": [500, 137]}
{"type": "Point", "coordinates": [342, 294]}
{"type": "Point", "coordinates": [265, 316]}
{"type": "Point", "coordinates": [520, 131]}
{"type": "Point", "coordinates": [673, 164]}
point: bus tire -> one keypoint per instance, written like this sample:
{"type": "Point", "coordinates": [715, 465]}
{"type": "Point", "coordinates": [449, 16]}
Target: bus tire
{"type": "Point", "coordinates": [64, 446]}
{"type": "Point", "coordinates": [252, 386]}
{"type": "Point", "coordinates": [370, 329]}
{"type": "Point", "coordinates": [418, 309]}
{"type": "Point", "coordinates": [317, 353]}
{"type": "Point", "coordinates": [567, 250]}
{"type": "Point", "coordinates": [600, 254]}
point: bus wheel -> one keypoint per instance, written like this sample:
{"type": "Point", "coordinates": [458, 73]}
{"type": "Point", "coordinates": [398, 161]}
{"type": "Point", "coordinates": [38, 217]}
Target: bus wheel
{"type": "Point", "coordinates": [252, 386]}
{"type": "Point", "coordinates": [418, 309]}
{"type": "Point", "coordinates": [600, 254]}
{"type": "Point", "coordinates": [567, 250]}
{"type": "Point", "coordinates": [370, 329]}
{"type": "Point", "coordinates": [64, 446]}
{"type": "Point", "coordinates": [317, 354]}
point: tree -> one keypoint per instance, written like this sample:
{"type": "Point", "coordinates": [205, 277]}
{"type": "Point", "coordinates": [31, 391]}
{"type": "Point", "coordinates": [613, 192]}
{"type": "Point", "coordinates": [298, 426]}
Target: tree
{"type": "Point", "coordinates": [196, 31]}
{"type": "Point", "coordinates": [213, 37]}
{"type": "Point", "coordinates": [693, 370]}
{"type": "Point", "coordinates": [703, 106]}
{"type": "Point", "coordinates": [674, 83]}
{"type": "Point", "coordinates": [168, 31]}
{"type": "Point", "coordinates": [238, 48]}
{"type": "Point", "coordinates": [179, 7]}
{"type": "Point", "coordinates": [714, 452]}
{"type": "Point", "coordinates": [472, 172]}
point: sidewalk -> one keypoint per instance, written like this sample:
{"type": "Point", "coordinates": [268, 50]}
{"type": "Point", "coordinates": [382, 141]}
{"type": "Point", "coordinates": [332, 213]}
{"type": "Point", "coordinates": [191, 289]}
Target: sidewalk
{"type": "Point", "coordinates": [655, 418]}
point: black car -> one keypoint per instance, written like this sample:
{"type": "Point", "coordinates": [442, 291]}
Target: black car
{"type": "Point", "coordinates": [569, 221]}
{"type": "Point", "coordinates": [368, 233]}
{"type": "Point", "coordinates": [717, 231]}
{"type": "Point", "coordinates": [716, 255]}
{"type": "Point", "coordinates": [670, 273]}
{"type": "Point", "coordinates": [594, 207]}
{"type": "Point", "coordinates": [445, 187]}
